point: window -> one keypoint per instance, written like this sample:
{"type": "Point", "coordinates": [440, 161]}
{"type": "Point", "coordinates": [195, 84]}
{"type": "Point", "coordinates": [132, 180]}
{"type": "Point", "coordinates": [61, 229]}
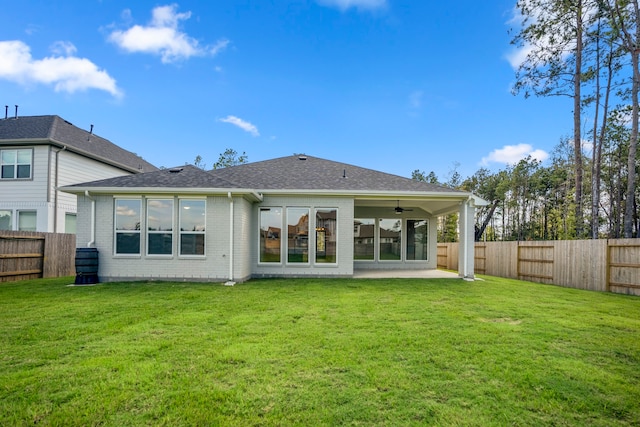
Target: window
{"type": "Point", "coordinates": [363, 239]}
{"type": "Point", "coordinates": [270, 234]}
{"type": "Point", "coordinates": [298, 235]}
{"type": "Point", "coordinates": [70, 223]}
{"type": "Point", "coordinates": [390, 239]}
{"type": "Point", "coordinates": [160, 226]}
{"type": "Point", "coordinates": [192, 218]}
{"type": "Point", "coordinates": [27, 221]}
{"type": "Point", "coordinates": [127, 222]}
{"type": "Point", "coordinates": [326, 236]}
{"type": "Point", "coordinates": [15, 164]}
{"type": "Point", "coordinates": [5, 220]}
{"type": "Point", "coordinates": [417, 232]}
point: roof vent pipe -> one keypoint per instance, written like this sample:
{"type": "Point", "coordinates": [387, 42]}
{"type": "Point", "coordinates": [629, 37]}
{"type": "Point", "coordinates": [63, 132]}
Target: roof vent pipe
{"type": "Point", "coordinates": [344, 173]}
{"type": "Point", "coordinates": [6, 111]}
{"type": "Point", "coordinates": [16, 111]}
{"type": "Point", "coordinates": [90, 133]}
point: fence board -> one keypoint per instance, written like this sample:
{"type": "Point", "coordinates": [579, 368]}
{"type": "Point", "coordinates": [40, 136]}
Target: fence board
{"type": "Point", "coordinates": [597, 265]}
{"type": "Point", "coordinates": [623, 266]}
{"type": "Point", "coordinates": [31, 255]}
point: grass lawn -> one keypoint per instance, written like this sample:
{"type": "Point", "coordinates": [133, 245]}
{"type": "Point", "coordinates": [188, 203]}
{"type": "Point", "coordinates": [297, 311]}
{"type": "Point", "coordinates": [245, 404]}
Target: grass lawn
{"type": "Point", "coordinates": [318, 352]}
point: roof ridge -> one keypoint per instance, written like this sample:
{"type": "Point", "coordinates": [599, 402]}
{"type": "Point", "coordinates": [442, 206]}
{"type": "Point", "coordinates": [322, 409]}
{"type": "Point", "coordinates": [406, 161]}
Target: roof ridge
{"type": "Point", "coordinates": [54, 126]}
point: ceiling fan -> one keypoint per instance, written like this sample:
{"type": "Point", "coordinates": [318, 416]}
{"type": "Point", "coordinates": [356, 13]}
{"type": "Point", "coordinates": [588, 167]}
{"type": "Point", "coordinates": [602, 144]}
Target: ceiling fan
{"type": "Point", "coordinates": [399, 210]}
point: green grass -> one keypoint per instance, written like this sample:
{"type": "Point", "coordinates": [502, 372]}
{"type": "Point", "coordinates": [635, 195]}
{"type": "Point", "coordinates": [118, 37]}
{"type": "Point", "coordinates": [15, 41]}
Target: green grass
{"type": "Point", "coordinates": [318, 352]}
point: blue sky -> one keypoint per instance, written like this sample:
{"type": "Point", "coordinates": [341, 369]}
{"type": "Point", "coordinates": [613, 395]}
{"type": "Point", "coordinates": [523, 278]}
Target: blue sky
{"type": "Point", "coordinates": [384, 84]}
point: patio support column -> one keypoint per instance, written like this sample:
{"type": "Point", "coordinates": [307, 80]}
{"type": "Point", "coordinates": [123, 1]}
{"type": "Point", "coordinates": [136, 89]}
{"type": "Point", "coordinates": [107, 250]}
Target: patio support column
{"type": "Point", "coordinates": [467, 243]}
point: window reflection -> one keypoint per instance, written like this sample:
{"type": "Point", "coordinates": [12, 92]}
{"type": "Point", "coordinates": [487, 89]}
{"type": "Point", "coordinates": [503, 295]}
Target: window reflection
{"type": "Point", "coordinates": [417, 232]}
{"type": "Point", "coordinates": [363, 238]}
{"type": "Point", "coordinates": [390, 239]}
{"type": "Point", "coordinates": [160, 226]}
{"type": "Point", "coordinates": [297, 235]}
{"type": "Point", "coordinates": [192, 219]}
{"type": "Point", "coordinates": [270, 234]}
{"type": "Point", "coordinates": [326, 250]}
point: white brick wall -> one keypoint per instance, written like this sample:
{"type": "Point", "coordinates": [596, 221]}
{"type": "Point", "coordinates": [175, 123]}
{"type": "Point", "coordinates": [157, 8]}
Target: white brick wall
{"type": "Point", "coordinates": [215, 265]}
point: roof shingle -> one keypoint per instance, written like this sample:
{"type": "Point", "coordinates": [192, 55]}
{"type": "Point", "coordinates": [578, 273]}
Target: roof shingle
{"type": "Point", "coordinates": [301, 172]}
{"type": "Point", "coordinates": [54, 129]}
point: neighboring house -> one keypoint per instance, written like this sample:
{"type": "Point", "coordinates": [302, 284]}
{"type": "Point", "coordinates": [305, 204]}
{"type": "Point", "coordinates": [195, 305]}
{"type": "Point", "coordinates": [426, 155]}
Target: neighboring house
{"type": "Point", "coordinates": [39, 154]}
{"type": "Point", "coordinates": [226, 225]}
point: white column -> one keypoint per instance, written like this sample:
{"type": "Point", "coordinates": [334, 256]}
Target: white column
{"type": "Point", "coordinates": [467, 240]}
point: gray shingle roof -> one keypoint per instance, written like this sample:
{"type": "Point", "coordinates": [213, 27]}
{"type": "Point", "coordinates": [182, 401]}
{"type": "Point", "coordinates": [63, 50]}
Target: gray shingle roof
{"type": "Point", "coordinates": [187, 176]}
{"type": "Point", "coordinates": [299, 172]}
{"type": "Point", "coordinates": [285, 173]}
{"type": "Point", "coordinates": [54, 129]}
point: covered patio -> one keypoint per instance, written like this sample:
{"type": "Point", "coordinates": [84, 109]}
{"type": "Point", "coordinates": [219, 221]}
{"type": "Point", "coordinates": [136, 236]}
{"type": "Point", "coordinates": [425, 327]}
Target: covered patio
{"type": "Point", "coordinates": [395, 235]}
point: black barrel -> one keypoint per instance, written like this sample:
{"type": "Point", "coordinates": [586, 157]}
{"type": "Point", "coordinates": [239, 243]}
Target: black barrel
{"type": "Point", "coordinates": [86, 266]}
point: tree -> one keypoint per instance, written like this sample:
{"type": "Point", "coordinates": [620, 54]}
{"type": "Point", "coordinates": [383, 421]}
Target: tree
{"type": "Point", "coordinates": [419, 175]}
{"type": "Point", "coordinates": [553, 32]}
{"type": "Point", "coordinates": [197, 162]}
{"type": "Point", "coordinates": [491, 187]}
{"type": "Point", "coordinates": [230, 157]}
{"type": "Point", "coordinates": [625, 15]}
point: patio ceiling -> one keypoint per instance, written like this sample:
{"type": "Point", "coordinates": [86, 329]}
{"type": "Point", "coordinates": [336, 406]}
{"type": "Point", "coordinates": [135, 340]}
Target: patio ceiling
{"type": "Point", "coordinates": [433, 205]}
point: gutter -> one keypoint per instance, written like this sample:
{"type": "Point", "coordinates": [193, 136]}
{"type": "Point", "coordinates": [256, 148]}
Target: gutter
{"type": "Point", "coordinates": [93, 219]}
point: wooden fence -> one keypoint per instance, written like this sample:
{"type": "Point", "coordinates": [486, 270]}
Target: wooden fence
{"type": "Point", "coordinates": [597, 265]}
{"type": "Point", "coordinates": [30, 255]}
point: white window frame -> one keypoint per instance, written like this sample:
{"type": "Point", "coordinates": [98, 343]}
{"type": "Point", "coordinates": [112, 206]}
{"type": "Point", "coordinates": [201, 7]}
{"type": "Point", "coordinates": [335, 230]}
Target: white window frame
{"type": "Point", "coordinates": [282, 235]}
{"type": "Point", "coordinates": [152, 232]}
{"type": "Point", "coordinates": [67, 222]}
{"type": "Point", "coordinates": [194, 232]}
{"type": "Point", "coordinates": [25, 211]}
{"type": "Point", "coordinates": [17, 163]}
{"type": "Point", "coordinates": [406, 238]}
{"type": "Point", "coordinates": [379, 242]}
{"type": "Point", "coordinates": [374, 237]}
{"type": "Point", "coordinates": [315, 243]}
{"type": "Point", "coordinates": [116, 231]}
{"type": "Point", "coordinates": [309, 243]}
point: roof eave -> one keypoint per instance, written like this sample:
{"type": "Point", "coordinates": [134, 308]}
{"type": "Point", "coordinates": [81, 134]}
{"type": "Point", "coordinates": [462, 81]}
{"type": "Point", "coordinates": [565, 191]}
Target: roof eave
{"type": "Point", "coordinates": [445, 195]}
{"type": "Point", "coordinates": [162, 190]}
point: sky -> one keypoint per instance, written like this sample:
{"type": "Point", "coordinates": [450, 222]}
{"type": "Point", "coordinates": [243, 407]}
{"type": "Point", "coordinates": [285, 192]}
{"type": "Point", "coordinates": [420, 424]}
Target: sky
{"type": "Point", "coordinates": [390, 85]}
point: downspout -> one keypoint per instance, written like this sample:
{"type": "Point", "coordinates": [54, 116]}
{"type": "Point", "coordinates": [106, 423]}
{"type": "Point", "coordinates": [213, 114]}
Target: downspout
{"type": "Point", "coordinates": [55, 192]}
{"type": "Point", "coordinates": [230, 282]}
{"type": "Point", "coordinates": [93, 219]}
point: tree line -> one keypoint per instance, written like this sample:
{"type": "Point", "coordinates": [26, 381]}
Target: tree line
{"type": "Point", "coordinates": [588, 51]}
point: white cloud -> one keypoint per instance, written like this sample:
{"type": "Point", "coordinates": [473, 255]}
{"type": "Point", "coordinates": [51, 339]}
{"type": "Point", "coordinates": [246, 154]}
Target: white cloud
{"type": "Point", "coordinates": [242, 124]}
{"type": "Point", "coordinates": [65, 72]}
{"type": "Point", "coordinates": [512, 154]}
{"type": "Point", "coordinates": [61, 48]}
{"type": "Point", "coordinates": [162, 37]}
{"type": "Point", "coordinates": [359, 4]}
